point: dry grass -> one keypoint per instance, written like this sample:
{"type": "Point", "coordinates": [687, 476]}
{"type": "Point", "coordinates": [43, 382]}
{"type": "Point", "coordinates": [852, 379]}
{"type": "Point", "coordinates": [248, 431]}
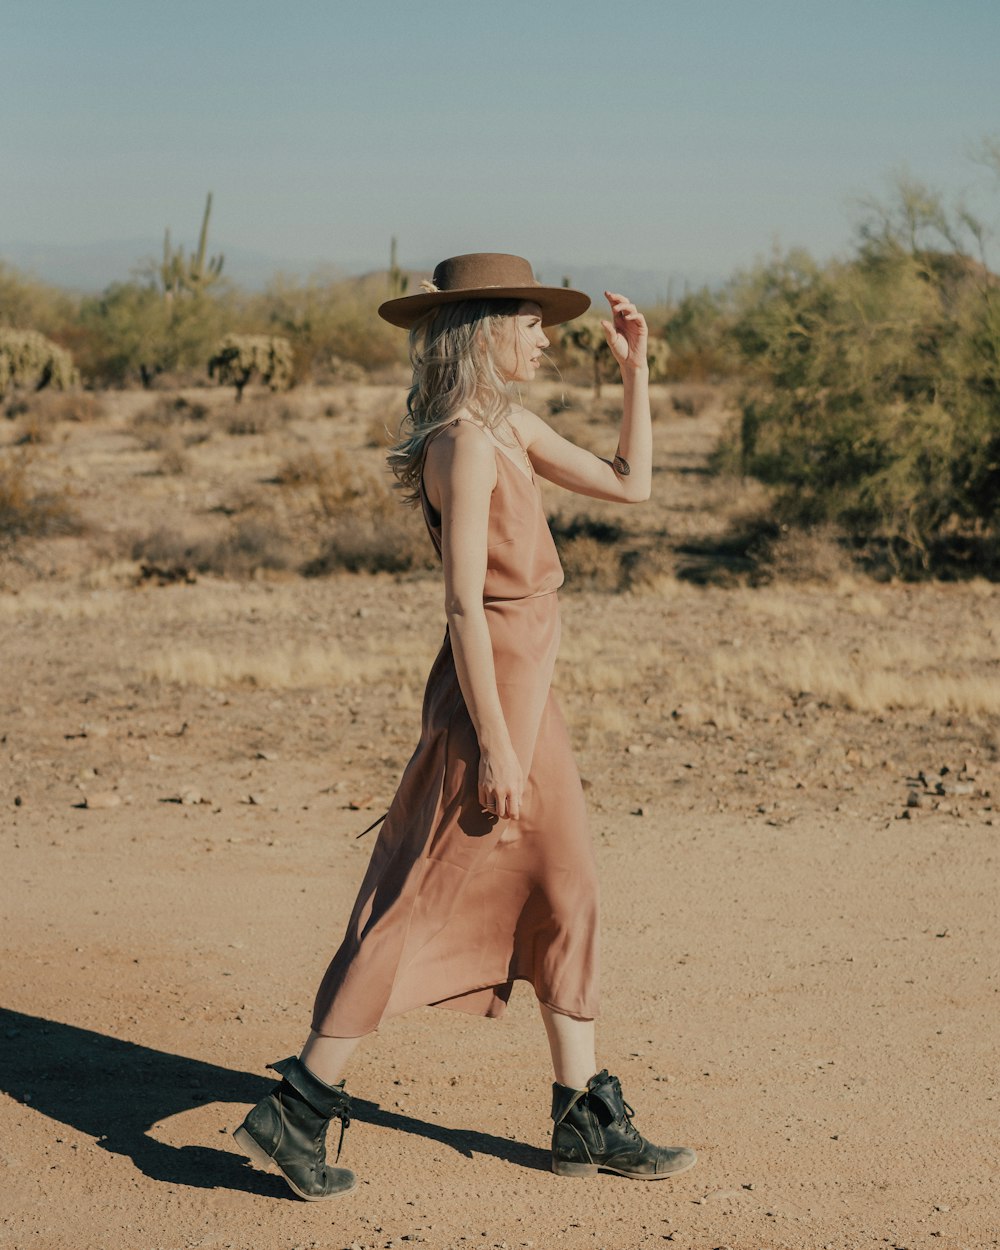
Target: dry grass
{"type": "Point", "coordinates": [880, 677]}
{"type": "Point", "coordinates": [289, 667]}
{"type": "Point", "coordinates": [782, 647]}
{"type": "Point", "coordinates": [29, 512]}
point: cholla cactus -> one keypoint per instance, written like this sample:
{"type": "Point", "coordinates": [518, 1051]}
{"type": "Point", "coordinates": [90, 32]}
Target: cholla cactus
{"type": "Point", "coordinates": [658, 355]}
{"type": "Point", "coordinates": [30, 361]}
{"type": "Point", "coordinates": [584, 341]}
{"type": "Point", "coordinates": [242, 358]}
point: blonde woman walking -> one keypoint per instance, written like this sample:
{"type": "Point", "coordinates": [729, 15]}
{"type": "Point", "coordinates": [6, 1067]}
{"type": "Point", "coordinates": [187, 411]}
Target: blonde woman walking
{"type": "Point", "coordinates": [483, 872]}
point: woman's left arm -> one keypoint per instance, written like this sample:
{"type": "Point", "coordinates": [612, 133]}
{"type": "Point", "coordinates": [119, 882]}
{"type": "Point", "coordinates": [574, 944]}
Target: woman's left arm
{"type": "Point", "coordinates": [628, 477]}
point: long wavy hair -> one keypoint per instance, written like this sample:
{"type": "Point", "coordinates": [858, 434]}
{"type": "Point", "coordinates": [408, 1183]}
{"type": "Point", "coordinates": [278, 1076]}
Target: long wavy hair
{"type": "Point", "coordinates": [454, 367]}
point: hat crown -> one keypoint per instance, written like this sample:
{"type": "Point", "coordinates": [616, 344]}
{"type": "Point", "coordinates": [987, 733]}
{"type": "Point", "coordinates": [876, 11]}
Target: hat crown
{"type": "Point", "coordinates": [478, 270]}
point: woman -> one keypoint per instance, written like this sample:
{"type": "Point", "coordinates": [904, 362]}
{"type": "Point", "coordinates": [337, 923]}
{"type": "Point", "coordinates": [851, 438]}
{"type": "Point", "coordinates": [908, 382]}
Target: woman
{"type": "Point", "coordinates": [483, 872]}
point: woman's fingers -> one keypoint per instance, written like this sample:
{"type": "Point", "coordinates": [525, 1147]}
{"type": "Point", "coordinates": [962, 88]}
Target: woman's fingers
{"type": "Point", "coordinates": [502, 804]}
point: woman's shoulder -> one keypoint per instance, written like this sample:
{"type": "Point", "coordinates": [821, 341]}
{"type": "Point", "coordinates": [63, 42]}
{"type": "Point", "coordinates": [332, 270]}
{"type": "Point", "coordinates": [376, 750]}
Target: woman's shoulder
{"type": "Point", "coordinates": [461, 444]}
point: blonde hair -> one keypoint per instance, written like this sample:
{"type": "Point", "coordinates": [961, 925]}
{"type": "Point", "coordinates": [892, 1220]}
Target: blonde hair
{"type": "Point", "coordinates": [451, 351]}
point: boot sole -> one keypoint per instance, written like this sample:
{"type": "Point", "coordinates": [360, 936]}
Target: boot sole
{"type": "Point", "coordinates": [256, 1154]}
{"type": "Point", "coordinates": [563, 1168]}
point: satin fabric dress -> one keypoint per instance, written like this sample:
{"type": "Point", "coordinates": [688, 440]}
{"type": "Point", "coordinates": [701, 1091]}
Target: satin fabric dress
{"type": "Point", "coordinates": [456, 905]}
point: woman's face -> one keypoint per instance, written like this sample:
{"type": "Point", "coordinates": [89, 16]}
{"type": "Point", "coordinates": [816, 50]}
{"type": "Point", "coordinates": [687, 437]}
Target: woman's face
{"type": "Point", "coordinates": [520, 344]}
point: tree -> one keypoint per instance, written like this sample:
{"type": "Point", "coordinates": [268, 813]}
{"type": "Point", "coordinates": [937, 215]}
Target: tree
{"type": "Point", "coordinates": [871, 391]}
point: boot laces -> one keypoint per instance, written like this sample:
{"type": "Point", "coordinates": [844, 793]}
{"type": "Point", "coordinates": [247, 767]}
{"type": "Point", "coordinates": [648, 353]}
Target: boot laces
{"type": "Point", "coordinates": [627, 1112]}
{"type": "Point", "coordinates": [345, 1120]}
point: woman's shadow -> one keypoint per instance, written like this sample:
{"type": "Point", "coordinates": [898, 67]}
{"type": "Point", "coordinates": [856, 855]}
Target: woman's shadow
{"type": "Point", "coordinates": [115, 1091]}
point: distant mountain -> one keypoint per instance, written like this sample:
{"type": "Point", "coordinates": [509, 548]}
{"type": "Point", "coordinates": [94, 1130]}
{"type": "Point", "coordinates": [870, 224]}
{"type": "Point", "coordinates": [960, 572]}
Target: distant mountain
{"type": "Point", "coordinates": [644, 286]}
{"type": "Point", "coordinates": [91, 267]}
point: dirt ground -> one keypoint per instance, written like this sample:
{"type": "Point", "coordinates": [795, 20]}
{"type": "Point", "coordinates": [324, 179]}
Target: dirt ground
{"type": "Point", "coordinates": [792, 802]}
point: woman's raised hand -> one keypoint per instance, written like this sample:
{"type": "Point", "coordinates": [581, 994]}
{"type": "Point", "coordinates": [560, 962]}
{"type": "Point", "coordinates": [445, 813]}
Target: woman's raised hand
{"type": "Point", "coordinates": [627, 334]}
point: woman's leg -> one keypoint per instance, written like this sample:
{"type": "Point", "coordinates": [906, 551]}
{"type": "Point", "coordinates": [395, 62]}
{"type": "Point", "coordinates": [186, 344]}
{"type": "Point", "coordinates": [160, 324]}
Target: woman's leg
{"type": "Point", "coordinates": [326, 1057]}
{"type": "Point", "coordinates": [572, 1045]}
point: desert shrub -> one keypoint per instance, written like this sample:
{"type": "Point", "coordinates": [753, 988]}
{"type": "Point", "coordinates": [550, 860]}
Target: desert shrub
{"type": "Point", "coordinates": [250, 544]}
{"type": "Point", "coordinates": [803, 555]}
{"type": "Point", "coordinates": [690, 399]}
{"type": "Point", "coordinates": [51, 407]}
{"type": "Point", "coordinates": [872, 387]}
{"type": "Point", "coordinates": [365, 526]}
{"type": "Point", "coordinates": [333, 326]}
{"type": "Point", "coordinates": [27, 304]}
{"type": "Point", "coordinates": [697, 334]}
{"type": "Point", "coordinates": [30, 362]}
{"type": "Point", "coordinates": [26, 512]}
{"type": "Point", "coordinates": [171, 410]}
{"type": "Point", "coordinates": [37, 416]}
{"type": "Point", "coordinates": [239, 359]}
{"type": "Point", "coordinates": [590, 564]}
{"type": "Point", "coordinates": [169, 425]}
{"type": "Point", "coordinates": [590, 551]}
{"type": "Point", "coordinates": [134, 333]}
{"type": "Point", "coordinates": [260, 414]}
{"type": "Point", "coordinates": [363, 541]}
{"type": "Point", "coordinates": [581, 525]}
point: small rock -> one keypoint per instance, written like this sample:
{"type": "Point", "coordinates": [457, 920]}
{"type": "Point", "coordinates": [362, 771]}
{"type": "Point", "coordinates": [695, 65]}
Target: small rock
{"type": "Point", "coordinates": [191, 797]}
{"type": "Point", "coordinates": [635, 748]}
{"type": "Point", "coordinates": [253, 800]}
{"type": "Point", "coordinates": [914, 799]}
{"type": "Point", "coordinates": [940, 1206]}
{"type": "Point", "coordinates": [267, 755]}
{"type": "Point", "coordinates": [102, 801]}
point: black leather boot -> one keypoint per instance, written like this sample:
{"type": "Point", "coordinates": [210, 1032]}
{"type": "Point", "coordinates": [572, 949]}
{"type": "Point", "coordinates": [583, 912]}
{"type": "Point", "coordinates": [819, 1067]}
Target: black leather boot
{"type": "Point", "coordinates": [593, 1131]}
{"type": "Point", "coordinates": [288, 1129]}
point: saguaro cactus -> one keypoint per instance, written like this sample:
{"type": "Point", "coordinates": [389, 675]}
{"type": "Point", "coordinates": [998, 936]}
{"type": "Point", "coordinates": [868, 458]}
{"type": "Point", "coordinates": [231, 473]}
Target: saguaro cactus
{"type": "Point", "coordinates": [398, 281]}
{"type": "Point", "coordinates": [194, 273]}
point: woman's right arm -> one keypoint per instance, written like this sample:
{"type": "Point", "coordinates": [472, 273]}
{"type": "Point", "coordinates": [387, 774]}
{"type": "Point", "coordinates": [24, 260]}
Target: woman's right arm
{"type": "Point", "coordinates": [461, 465]}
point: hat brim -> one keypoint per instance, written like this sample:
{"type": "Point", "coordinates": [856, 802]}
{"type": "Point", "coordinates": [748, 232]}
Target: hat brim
{"type": "Point", "coordinates": [558, 303]}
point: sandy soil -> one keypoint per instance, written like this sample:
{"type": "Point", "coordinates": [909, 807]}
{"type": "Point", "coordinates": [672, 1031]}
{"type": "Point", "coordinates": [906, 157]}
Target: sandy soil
{"type": "Point", "coordinates": [791, 795]}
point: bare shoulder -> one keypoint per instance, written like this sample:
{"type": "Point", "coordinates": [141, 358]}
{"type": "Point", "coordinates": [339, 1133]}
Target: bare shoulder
{"type": "Point", "coordinates": [463, 452]}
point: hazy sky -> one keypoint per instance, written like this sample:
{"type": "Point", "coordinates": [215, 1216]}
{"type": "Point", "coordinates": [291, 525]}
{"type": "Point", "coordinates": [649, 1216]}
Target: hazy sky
{"type": "Point", "coordinates": [679, 136]}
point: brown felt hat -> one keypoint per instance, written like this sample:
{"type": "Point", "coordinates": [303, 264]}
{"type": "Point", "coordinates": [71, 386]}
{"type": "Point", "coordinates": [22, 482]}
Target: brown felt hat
{"type": "Point", "coordinates": [486, 275]}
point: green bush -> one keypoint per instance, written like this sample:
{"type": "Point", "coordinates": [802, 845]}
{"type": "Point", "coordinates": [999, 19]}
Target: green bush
{"type": "Point", "coordinates": [333, 326]}
{"type": "Point", "coordinates": [26, 304]}
{"type": "Point", "coordinates": [131, 333]}
{"type": "Point", "coordinates": [872, 387]}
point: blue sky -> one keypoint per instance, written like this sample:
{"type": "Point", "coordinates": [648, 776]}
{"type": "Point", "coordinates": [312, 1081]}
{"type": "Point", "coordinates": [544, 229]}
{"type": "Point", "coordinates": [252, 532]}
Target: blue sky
{"type": "Point", "coordinates": [682, 137]}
